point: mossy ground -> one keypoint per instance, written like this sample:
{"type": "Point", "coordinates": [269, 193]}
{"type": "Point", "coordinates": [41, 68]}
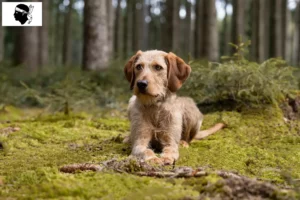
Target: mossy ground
{"type": "Point", "coordinates": [255, 143]}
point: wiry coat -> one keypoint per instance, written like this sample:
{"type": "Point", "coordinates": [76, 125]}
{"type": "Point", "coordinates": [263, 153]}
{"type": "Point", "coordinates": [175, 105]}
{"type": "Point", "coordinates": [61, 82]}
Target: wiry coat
{"type": "Point", "coordinates": [159, 119]}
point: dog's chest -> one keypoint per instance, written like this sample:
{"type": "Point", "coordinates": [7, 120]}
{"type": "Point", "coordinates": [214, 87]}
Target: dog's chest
{"type": "Point", "coordinates": [159, 117]}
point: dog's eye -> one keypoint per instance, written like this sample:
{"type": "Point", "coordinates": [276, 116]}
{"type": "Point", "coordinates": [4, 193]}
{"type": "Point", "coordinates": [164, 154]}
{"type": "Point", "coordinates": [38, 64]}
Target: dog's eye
{"type": "Point", "coordinates": [139, 67]}
{"type": "Point", "coordinates": [158, 67]}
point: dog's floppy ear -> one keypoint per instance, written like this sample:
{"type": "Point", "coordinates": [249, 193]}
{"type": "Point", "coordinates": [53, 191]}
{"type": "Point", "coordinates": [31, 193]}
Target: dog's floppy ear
{"type": "Point", "coordinates": [178, 71]}
{"type": "Point", "coordinates": [129, 69]}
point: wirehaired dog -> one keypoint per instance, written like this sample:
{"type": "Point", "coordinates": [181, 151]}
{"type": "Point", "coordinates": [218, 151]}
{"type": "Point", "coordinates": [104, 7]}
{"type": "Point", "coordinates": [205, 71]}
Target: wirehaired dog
{"type": "Point", "coordinates": [159, 119]}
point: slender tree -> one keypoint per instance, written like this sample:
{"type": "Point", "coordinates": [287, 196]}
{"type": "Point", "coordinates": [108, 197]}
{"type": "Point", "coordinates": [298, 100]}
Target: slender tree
{"type": "Point", "coordinates": [267, 5]}
{"type": "Point", "coordinates": [276, 28]}
{"type": "Point", "coordinates": [125, 31]}
{"type": "Point", "coordinates": [117, 29]}
{"type": "Point", "coordinates": [188, 28]}
{"type": "Point", "coordinates": [1, 38]}
{"type": "Point", "coordinates": [258, 31]}
{"type": "Point", "coordinates": [296, 47]}
{"type": "Point", "coordinates": [226, 32]}
{"type": "Point", "coordinates": [176, 27]}
{"type": "Point", "coordinates": [210, 31]}
{"type": "Point", "coordinates": [130, 23]}
{"type": "Point", "coordinates": [58, 33]}
{"type": "Point", "coordinates": [95, 50]}
{"type": "Point", "coordinates": [43, 35]}
{"type": "Point", "coordinates": [171, 14]}
{"type": "Point", "coordinates": [145, 35]}
{"type": "Point", "coordinates": [140, 24]}
{"type": "Point", "coordinates": [238, 20]}
{"type": "Point", "coordinates": [198, 29]}
{"type": "Point", "coordinates": [110, 20]}
{"type": "Point", "coordinates": [135, 30]}
{"type": "Point", "coordinates": [165, 27]}
{"type": "Point", "coordinates": [67, 34]}
{"type": "Point", "coordinates": [283, 27]}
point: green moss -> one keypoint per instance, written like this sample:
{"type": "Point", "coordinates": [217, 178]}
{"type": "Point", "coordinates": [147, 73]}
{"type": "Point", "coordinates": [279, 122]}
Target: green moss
{"type": "Point", "coordinates": [49, 183]}
{"type": "Point", "coordinates": [256, 143]}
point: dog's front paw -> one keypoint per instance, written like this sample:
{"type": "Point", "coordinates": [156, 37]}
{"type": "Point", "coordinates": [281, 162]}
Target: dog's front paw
{"type": "Point", "coordinates": [167, 160]}
{"type": "Point", "coordinates": [155, 161]}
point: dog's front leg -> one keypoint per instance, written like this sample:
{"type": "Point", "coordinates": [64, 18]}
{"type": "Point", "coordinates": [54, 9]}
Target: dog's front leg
{"type": "Point", "coordinates": [170, 152]}
{"type": "Point", "coordinates": [140, 147]}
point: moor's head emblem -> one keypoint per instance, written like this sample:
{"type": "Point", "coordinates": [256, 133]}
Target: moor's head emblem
{"type": "Point", "coordinates": [23, 13]}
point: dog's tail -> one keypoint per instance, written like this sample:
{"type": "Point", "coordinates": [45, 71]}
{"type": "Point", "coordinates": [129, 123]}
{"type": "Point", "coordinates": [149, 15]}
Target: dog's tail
{"type": "Point", "coordinates": [202, 134]}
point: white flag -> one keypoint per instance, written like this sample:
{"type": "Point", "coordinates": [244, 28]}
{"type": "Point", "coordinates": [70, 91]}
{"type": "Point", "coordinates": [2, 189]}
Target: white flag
{"type": "Point", "coordinates": [22, 14]}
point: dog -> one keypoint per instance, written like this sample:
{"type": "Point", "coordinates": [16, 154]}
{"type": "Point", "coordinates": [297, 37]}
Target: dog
{"type": "Point", "coordinates": [159, 120]}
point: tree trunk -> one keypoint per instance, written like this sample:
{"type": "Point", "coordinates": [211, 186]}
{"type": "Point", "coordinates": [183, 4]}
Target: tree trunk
{"type": "Point", "coordinates": [43, 35]}
{"type": "Point", "coordinates": [176, 27]}
{"type": "Point", "coordinates": [171, 31]}
{"type": "Point", "coordinates": [58, 43]}
{"type": "Point", "coordinates": [128, 27]}
{"type": "Point", "coordinates": [117, 30]}
{"type": "Point", "coordinates": [135, 30]}
{"type": "Point", "coordinates": [210, 31]}
{"type": "Point", "coordinates": [198, 31]}
{"type": "Point", "coordinates": [1, 38]}
{"type": "Point", "coordinates": [130, 21]}
{"type": "Point", "coordinates": [95, 50]}
{"type": "Point", "coordinates": [145, 36]}
{"type": "Point", "coordinates": [125, 34]}
{"type": "Point", "coordinates": [139, 25]}
{"type": "Point", "coordinates": [258, 31]}
{"type": "Point", "coordinates": [67, 37]}
{"type": "Point", "coordinates": [284, 27]}
{"type": "Point", "coordinates": [296, 52]}
{"type": "Point", "coordinates": [238, 20]}
{"type": "Point", "coordinates": [188, 28]}
{"type": "Point", "coordinates": [267, 4]}
{"type": "Point", "coordinates": [226, 29]}
{"type": "Point", "coordinates": [110, 20]}
{"type": "Point", "coordinates": [168, 32]}
{"type": "Point", "coordinates": [276, 29]}
{"type": "Point", "coordinates": [26, 48]}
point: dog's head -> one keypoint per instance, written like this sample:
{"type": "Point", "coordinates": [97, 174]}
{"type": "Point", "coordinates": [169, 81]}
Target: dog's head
{"type": "Point", "coordinates": [152, 74]}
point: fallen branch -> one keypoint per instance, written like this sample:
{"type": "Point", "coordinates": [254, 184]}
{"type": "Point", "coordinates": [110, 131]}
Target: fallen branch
{"type": "Point", "coordinates": [8, 130]}
{"type": "Point", "coordinates": [141, 168]}
{"type": "Point", "coordinates": [234, 184]}
{"type": "Point", "coordinates": [80, 167]}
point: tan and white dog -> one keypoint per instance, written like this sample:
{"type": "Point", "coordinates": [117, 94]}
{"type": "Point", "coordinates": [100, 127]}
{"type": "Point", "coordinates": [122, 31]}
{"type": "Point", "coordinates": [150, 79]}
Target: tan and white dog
{"type": "Point", "coordinates": [159, 119]}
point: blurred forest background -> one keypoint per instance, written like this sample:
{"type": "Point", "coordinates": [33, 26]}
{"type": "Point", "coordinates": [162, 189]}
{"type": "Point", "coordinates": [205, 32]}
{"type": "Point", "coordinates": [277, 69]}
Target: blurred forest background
{"type": "Point", "coordinates": [53, 63]}
{"type": "Point", "coordinates": [92, 33]}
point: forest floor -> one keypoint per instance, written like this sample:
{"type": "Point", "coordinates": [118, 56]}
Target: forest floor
{"type": "Point", "coordinates": [257, 144]}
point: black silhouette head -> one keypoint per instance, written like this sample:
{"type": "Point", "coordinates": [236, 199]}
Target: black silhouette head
{"type": "Point", "coordinates": [21, 12]}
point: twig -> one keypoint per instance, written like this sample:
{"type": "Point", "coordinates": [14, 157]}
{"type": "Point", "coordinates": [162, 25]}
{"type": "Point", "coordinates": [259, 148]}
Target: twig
{"type": "Point", "coordinates": [80, 167]}
{"type": "Point", "coordinates": [8, 130]}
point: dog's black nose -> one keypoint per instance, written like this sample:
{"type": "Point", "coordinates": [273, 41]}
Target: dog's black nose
{"type": "Point", "coordinates": [142, 84]}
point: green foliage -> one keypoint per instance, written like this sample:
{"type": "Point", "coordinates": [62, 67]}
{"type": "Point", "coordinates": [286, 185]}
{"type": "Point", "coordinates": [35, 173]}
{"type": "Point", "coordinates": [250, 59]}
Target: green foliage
{"type": "Point", "coordinates": [240, 81]}
{"type": "Point", "coordinates": [65, 89]}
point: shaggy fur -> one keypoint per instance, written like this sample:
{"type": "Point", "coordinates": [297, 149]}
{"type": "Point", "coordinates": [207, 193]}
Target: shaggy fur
{"type": "Point", "coordinates": [159, 119]}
